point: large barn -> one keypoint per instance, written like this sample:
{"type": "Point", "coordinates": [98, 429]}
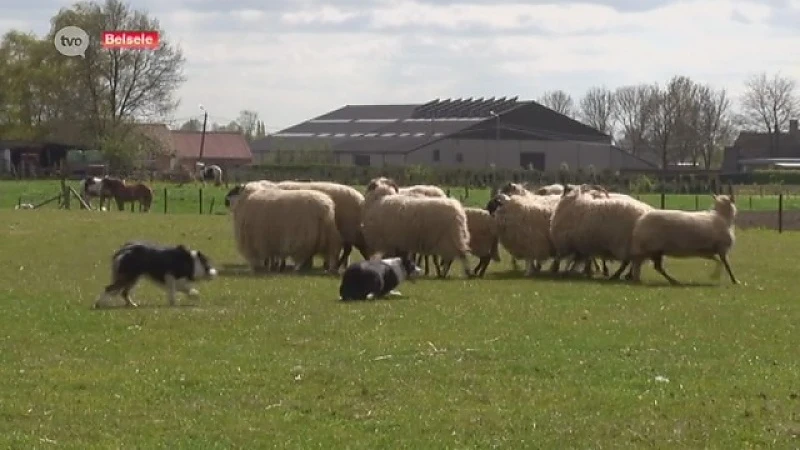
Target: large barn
{"type": "Point", "coordinates": [504, 133]}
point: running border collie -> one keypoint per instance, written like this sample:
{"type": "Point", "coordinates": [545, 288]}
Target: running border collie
{"type": "Point", "coordinates": [370, 279]}
{"type": "Point", "coordinates": [172, 268]}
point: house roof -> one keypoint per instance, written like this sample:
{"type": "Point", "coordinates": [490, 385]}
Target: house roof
{"type": "Point", "coordinates": [217, 145]}
{"type": "Point", "coordinates": [186, 144]}
{"type": "Point", "coordinates": [404, 128]}
{"type": "Point", "coordinates": [752, 144]}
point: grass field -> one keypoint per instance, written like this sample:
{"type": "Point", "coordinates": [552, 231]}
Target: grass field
{"type": "Point", "coordinates": [186, 198]}
{"type": "Point", "coordinates": [502, 362]}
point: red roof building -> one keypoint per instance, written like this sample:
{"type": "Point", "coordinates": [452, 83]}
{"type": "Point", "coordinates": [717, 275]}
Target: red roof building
{"type": "Point", "coordinates": [225, 148]}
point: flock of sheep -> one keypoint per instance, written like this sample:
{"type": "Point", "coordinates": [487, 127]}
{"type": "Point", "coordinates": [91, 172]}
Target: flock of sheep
{"type": "Point", "coordinates": [274, 221]}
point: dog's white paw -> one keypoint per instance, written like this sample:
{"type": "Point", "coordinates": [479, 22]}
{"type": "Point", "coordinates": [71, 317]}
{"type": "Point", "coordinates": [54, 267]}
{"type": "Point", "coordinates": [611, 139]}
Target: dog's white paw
{"type": "Point", "coordinates": [193, 292]}
{"type": "Point", "coordinates": [395, 293]}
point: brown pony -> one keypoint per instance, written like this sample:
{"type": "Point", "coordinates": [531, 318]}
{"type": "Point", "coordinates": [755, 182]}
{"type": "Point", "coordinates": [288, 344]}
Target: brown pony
{"type": "Point", "coordinates": [126, 193]}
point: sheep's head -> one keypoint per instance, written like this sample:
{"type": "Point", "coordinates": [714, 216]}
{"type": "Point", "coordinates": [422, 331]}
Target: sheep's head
{"type": "Point", "coordinates": [379, 190]}
{"type": "Point", "coordinates": [233, 195]}
{"type": "Point", "coordinates": [569, 189]}
{"type": "Point", "coordinates": [595, 190]}
{"type": "Point", "coordinates": [496, 202]}
{"type": "Point", "coordinates": [724, 206]}
{"type": "Point", "coordinates": [513, 189]}
{"type": "Point", "coordinates": [383, 181]}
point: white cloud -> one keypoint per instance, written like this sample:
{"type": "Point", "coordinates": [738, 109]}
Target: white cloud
{"type": "Point", "coordinates": [294, 60]}
{"type": "Point", "coordinates": [248, 15]}
{"type": "Point", "coordinates": [324, 15]}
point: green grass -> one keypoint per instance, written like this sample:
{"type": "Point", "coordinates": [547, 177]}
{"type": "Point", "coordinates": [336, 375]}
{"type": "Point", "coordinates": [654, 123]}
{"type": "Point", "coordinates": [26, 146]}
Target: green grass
{"type": "Point", "coordinates": [186, 198]}
{"type": "Point", "coordinates": [276, 361]}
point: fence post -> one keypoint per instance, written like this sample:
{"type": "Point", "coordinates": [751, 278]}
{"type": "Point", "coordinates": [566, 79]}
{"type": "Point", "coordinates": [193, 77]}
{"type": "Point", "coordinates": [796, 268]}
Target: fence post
{"type": "Point", "coordinates": [696, 202]}
{"type": "Point", "coordinates": [751, 203]}
{"type": "Point", "coordinates": [19, 202]}
{"type": "Point", "coordinates": [165, 200]}
{"type": "Point", "coordinates": [780, 212]}
{"type": "Point", "coordinates": [663, 199]}
{"type": "Point", "coordinates": [201, 200]}
{"type": "Point", "coordinates": [132, 206]}
{"type": "Point", "coordinates": [211, 206]}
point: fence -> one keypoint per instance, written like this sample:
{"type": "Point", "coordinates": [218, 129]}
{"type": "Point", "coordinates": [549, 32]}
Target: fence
{"type": "Point", "coordinates": [756, 209]}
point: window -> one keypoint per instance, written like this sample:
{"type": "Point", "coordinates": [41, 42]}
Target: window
{"type": "Point", "coordinates": [532, 161]}
{"type": "Point", "coordinates": [459, 158]}
{"type": "Point", "coordinates": [361, 160]}
{"type": "Point", "coordinates": [436, 155]}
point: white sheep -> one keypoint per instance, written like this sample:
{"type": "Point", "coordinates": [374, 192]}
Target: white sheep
{"type": "Point", "coordinates": [483, 240]}
{"type": "Point", "coordinates": [423, 190]}
{"type": "Point", "coordinates": [704, 234]}
{"type": "Point", "coordinates": [349, 207]}
{"type": "Point", "coordinates": [523, 227]}
{"type": "Point", "coordinates": [584, 226]}
{"type": "Point", "coordinates": [274, 224]}
{"type": "Point", "coordinates": [550, 189]}
{"type": "Point", "coordinates": [394, 223]}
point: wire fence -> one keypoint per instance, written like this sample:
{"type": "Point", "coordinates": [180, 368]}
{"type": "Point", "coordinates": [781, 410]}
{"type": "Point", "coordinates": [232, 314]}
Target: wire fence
{"type": "Point", "coordinates": [778, 211]}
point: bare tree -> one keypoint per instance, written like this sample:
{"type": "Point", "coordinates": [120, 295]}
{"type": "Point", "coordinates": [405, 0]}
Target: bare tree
{"type": "Point", "coordinates": [122, 84]}
{"type": "Point", "coordinates": [248, 122]}
{"type": "Point", "coordinates": [192, 125]}
{"type": "Point", "coordinates": [598, 109]}
{"type": "Point", "coordinates": [633, 113]}
{"type": "Point", "coordinates": [671, 105]}
{"type": "Point", "coordinates": [768, 104]}
{"type": "Point", "coordinates": [559, 101]}
{"type": "Point", "coordinates": [716, 128]}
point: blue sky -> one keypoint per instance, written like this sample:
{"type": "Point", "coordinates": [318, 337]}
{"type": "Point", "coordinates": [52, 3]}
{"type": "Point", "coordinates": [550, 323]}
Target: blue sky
{"type": "Point", "coordinates": [291, 60]}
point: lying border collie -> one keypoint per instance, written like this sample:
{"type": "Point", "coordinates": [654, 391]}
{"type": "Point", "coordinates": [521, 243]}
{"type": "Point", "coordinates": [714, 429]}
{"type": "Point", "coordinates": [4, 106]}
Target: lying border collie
{"type": "Point", "coordinates": [172, 268]}
{"type": "Point", "coordinates": [376, 278]}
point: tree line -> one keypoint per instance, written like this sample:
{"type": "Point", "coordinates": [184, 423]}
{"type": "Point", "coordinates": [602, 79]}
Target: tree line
{"type": "Point", "coordinates": [684, 120]}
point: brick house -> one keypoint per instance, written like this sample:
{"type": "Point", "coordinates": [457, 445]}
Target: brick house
{"type": "Point", "coordinates": [754, 149]}
{"type": "Point", "coordinates": [227, 149]}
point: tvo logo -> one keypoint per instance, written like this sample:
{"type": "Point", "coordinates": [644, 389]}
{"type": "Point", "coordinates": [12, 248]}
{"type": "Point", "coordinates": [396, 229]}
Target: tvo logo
{"type": "Point", "coordinates": [71, 41]}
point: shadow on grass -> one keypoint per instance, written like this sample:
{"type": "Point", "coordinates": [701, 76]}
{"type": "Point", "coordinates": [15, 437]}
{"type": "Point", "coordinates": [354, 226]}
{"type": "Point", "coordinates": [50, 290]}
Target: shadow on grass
{"type": "Point", "coordinates": [580, 278]}
{"type": "Point", "coordinates": [125, 307]}
{"type": "Point", "coordinates": [243, 271]}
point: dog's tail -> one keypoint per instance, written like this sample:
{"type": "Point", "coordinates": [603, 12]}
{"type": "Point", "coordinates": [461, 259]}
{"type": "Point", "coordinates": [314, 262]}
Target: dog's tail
{"type": "Point", "coordinates": [117, 258]}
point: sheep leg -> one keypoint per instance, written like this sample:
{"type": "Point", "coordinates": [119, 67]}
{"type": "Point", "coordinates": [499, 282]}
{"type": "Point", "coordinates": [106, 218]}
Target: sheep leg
{"type": "Point", "coordinates": [445, 266]}
{"type": "Point", "coordinates": [347, 248]}
{"type": "Point", "coordinates": [483, 263]}
{"type": "Point", "coordinates": [588, 267]}
{"type": "Point", "coordinates": [658, 264]}
{"type": "Point", "coordinates": [514, 264]}
{"type": "Point", "coordinates": [437, 262]}
{"type": "Point", "coordinates": [465, 266]}
{"type": "Point", "coordinates": [605, 268]}
{"type": "Point", "coordinates": [555, 266]}
{"type": "Point", "coordinates": [619, 271]}
{"type": "Point", "coordinates": [724, 260]}
{"type": "Point", "coordinates": [496, 250]}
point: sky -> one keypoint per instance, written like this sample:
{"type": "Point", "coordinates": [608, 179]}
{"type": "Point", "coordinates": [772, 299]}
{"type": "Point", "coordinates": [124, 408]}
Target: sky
{"type": "Point", "coordinates": [292, 60]}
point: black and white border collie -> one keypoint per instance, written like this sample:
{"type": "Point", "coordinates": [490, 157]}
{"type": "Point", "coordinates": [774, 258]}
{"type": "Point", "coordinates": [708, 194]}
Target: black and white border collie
{"type": "Point", "coordinates": [172, 268]}
{"type": "Point", "coordinates": [371, 279]}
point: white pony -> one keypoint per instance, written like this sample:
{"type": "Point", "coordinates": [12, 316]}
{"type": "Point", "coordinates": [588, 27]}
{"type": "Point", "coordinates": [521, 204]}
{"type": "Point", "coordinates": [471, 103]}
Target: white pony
{"type": "Point", "coordinates": [207, 173]}
{"type": "Point", "coordinates": [92, 187]}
